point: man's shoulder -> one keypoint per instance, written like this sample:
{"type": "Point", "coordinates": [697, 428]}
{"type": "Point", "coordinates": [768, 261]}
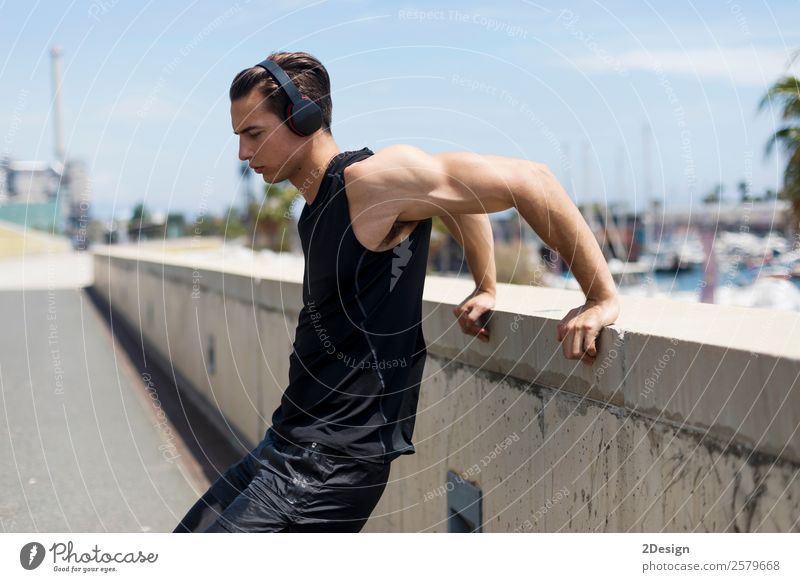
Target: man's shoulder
{"type": "Point", "coordinates": [392, 158]}
{"type": "Point", "coordinates": [389, 171]}
{"type": "Point", "coordinates": [379, 188]}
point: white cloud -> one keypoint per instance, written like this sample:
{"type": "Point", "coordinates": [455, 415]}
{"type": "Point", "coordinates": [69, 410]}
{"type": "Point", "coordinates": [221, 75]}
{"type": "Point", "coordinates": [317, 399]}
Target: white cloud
{"type": "Point", "coordinates": [742, 65]}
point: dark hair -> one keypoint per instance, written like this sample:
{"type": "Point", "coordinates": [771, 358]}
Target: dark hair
{"type": "Point", "coordinates": [306, 72]}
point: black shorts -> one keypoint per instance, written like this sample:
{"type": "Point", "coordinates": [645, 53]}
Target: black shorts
{"type": "Point", "coordinates": [285, 487]}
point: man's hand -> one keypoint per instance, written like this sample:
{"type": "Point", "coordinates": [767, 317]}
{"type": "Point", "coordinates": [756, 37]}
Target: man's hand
{"type": "Point", "coordinates": [473, 313]}
{"type": "Point", "coordinates": [580, 327]}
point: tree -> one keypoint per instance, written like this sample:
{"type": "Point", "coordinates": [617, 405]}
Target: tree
{"type": "Point", "coordinates": [786, 92]}
{"type": "Point", "coordinates": [714, 196]}
{"type": "Point", "coordinates": [269, 219]}
{"type": "Point", "coordinates": [744, 191]}
{"type": "Point", "coordinates": [140, 213]}
{"type": "Point", "coordinates": [233, 227]}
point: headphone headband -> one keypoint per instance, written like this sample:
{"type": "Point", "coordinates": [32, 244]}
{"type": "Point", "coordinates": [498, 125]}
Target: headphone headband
{"type": "Point", "coordinates": [302, 115]}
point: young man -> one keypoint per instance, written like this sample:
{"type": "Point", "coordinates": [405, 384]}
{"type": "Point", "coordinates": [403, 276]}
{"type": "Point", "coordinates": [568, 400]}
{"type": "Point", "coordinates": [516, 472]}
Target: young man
{"type": "Point", "coordinates": [359, 350]}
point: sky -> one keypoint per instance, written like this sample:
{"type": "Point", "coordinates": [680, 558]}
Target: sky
{"type": "Point", "coordinates": [598, 91]}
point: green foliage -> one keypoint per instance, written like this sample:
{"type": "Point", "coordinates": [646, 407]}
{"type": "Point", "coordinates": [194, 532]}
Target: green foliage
{"type": "Point", "coordinates": [268, 220]}
{"type": "Point", "coordinates": [786, 93]}
{"type": "Point", "coordinates": [714, 196]}
{"type": "Point", "coordinates": [140, 213]}
{"type": "Point", "coordinates": [438, 225]}
{"type": "Point", "coordinates": [232, 227]}
{"type": "Point", "coordinates": [276, 203]}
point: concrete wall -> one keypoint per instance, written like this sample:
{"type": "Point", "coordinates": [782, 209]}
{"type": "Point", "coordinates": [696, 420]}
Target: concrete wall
{"type": "Point", "coordinates": [686, 422]}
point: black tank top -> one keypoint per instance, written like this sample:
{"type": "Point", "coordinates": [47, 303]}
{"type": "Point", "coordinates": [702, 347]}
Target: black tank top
{"type": "Point", "coordinates": [359, 350]}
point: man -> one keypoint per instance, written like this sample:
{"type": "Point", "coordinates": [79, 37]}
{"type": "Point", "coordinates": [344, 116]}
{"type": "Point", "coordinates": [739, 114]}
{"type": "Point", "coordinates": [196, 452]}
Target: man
{"type": "Point", "coordinates": [359, 351]}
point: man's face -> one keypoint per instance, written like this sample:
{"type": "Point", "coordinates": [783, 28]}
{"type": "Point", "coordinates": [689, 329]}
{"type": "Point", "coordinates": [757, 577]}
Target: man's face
{"type": "Point", "coordinates": [269, 146]}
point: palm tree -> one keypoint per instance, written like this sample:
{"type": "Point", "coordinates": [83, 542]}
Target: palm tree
{"type": "Point", "coordinates": [786, 91]}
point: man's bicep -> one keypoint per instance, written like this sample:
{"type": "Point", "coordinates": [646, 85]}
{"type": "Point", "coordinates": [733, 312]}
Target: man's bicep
{"type": "Point", "coordinates": [410, 184]}
{"type": "Point", "coordinates": [464, 183]}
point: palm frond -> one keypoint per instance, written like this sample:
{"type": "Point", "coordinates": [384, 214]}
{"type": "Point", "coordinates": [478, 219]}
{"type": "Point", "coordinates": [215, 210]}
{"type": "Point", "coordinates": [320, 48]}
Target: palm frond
{"type": "Point", "coordinates": [788, 137]}
{"type": "Point", "coordinates": [786, 92]}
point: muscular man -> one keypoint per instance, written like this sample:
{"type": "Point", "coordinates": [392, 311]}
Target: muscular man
{"type": "Point", "coordinates": [359, 351]}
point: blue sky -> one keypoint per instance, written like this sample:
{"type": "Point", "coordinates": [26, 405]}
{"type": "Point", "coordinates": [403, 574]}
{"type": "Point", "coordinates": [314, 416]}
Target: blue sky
{"type": "Point", "coordinates": [568, 84]}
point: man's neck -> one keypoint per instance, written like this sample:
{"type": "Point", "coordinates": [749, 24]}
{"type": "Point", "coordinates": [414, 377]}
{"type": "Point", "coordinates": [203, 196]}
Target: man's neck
{"type": "Point", "coordinates": [309, 176]}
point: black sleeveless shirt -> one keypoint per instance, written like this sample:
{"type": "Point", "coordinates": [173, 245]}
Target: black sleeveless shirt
{"type": "Point", "coordinates": [359, 350]}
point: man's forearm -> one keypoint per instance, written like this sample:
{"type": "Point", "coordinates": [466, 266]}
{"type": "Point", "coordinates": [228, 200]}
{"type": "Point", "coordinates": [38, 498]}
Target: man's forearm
{"type": "Point", "coordinates": [474, 233]}
{"type": "Point", "coordinates": [548, 209]}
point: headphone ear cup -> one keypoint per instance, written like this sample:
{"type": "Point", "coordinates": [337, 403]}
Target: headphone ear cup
{"type": "Point", "coordinates": [306, 119]}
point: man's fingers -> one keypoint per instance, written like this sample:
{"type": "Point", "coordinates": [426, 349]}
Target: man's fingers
{"type": "Point", "coordinates": [473, 318]}
{"type": "Point", "coordinates": [578, 336]}
{"type": "Point", "coordinates": [459, 313]}
{"type": "Point", "coordinates": [577, 343]}
{"type": "Point", "coordinates": [482, 324]}
{"type": "Point", "coordinates": [589, 349]}
{"type": "Point", "coordinates": [474, 315]}
{"type": "Point", "coordinates": [481, 332]}
{"type": "Point", "coordinates": [476, 328]}
{"type": "Point", "coordinates": [467, 316]}
{"type": "Point", "coordinates": [589, 343]}
{"type": "Point", "coordinates": [566, 343]}
{"type": "Point", "coordinates": [563, 327]}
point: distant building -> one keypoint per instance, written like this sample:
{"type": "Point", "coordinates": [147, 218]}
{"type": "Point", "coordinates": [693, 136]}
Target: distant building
{"type": "Point", "coordinates": [47, 196]}
{"type": "Point", "coordinates": [50, 196]}
{"type": "Point", "coordinates": [157, 227]}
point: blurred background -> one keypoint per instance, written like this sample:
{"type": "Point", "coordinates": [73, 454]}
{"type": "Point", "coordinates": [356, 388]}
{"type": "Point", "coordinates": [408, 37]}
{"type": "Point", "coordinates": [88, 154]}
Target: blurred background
{"type": "Point", "coordinates": [674, 128]}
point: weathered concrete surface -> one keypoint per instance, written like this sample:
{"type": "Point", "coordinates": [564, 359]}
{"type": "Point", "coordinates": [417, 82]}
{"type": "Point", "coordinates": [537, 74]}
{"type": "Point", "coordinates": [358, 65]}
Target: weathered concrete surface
{"type": "Point", "coordinates": [687, 421]}
{"type": "Point", "coordinates": [572, 464]}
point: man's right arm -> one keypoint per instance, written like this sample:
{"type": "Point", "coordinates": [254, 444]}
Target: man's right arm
{"type": "Point", "coordinates": [474, 233]}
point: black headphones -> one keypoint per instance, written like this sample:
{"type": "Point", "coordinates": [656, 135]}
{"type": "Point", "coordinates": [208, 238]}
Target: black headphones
{"type": "Point", "coordinates": [302, 115]}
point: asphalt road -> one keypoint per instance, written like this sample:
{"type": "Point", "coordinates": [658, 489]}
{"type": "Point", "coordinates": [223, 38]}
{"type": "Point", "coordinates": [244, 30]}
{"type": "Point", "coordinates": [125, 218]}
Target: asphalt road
{"type": "Point", "coordinates": [91, 440]}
